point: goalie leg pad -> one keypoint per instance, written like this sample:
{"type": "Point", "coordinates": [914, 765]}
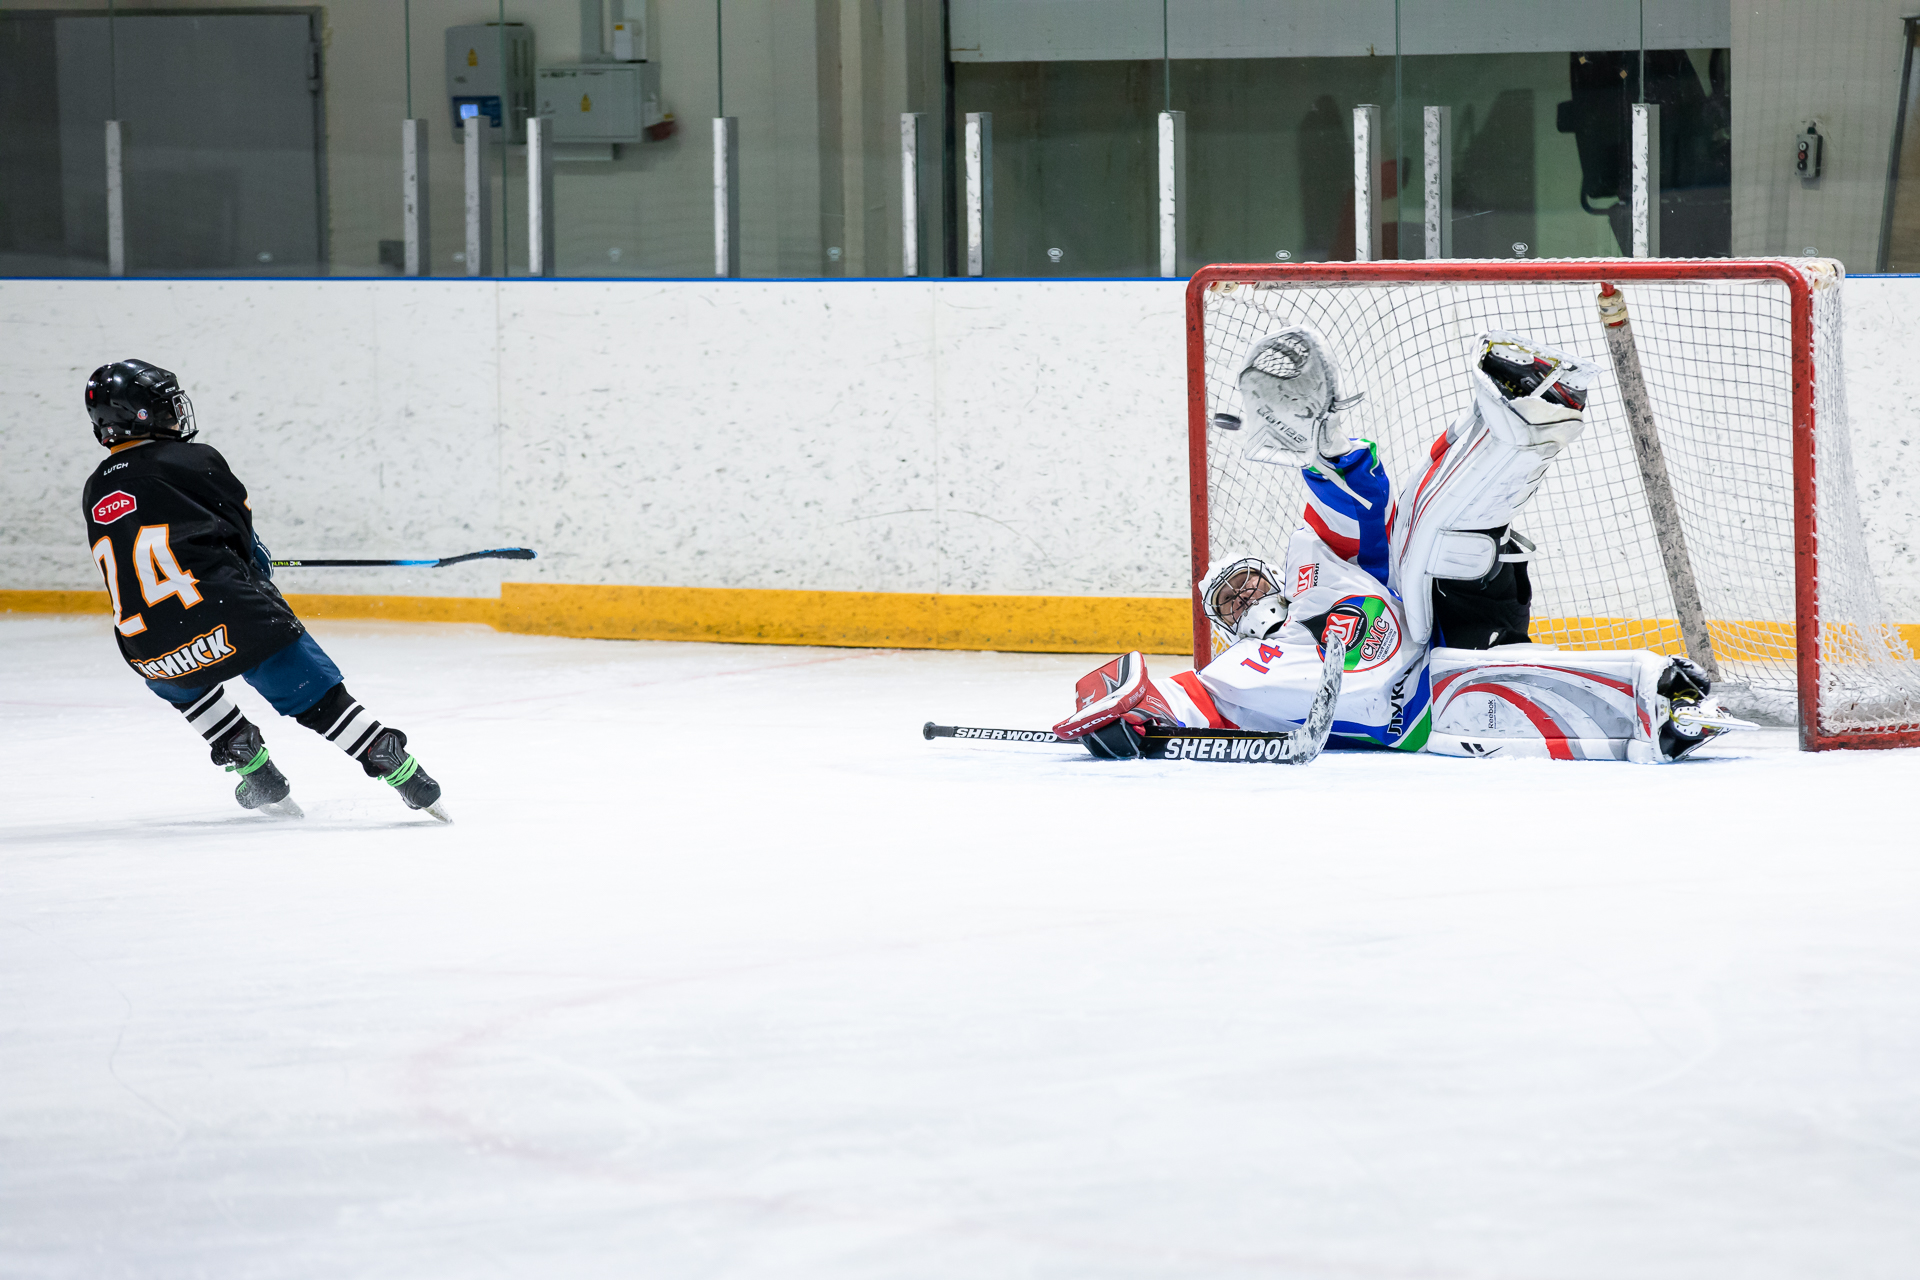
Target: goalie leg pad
{"type": "Point", "coordinates": [1483, 471]}
{"type": "Point", "coordinates": [1531, 701]}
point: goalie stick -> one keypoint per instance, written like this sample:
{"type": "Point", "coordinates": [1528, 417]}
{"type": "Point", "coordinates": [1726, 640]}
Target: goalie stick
{"type": "Point", "coordinates": [497, 553]}
{"type": "Point", "coordinates": [1246, 746]}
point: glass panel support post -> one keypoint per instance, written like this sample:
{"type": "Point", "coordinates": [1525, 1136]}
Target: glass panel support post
{"type": "Point", "coordinates": [1173, 190]}
{"type": "Point", "coordinates": [540, 196]}
{"type": "Point", "coordinates": [1366, 178]}
{"type": "Point", "coordinates": [116, 204]}
{"type": "Point", "coordinates": [979, 163]}
{"type": "Point", "coordinates": [415, 223]}
{"type": "Point", "coordinates": [912, 124]}
{"type": "Point", "coordinates": [479, 247]}
{"type": "Point", "coordinates": [1645, 210]}
{"type": "Point", "coordinates": [593, 31]}
{"type": "Point", "coordinates": [726, 196]}
{"type": "Point", "coordinates": [1437, 169]}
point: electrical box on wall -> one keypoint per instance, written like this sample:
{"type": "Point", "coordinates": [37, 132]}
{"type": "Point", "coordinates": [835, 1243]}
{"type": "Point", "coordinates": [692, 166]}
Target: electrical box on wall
{"type": "Point", "coordinates": [600, 102]}
{"type": "Point", "coordinates": [478, 74]}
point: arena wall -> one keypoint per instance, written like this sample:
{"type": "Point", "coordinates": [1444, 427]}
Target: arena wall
{"type": "Point", "coordinates": [946, 464]}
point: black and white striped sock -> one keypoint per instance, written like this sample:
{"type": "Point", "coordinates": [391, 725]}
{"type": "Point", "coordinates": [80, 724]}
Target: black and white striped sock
{"type": "Point", "coordinates": [213, 716]}
{"type": "Point", "coordinates": [340, 719]}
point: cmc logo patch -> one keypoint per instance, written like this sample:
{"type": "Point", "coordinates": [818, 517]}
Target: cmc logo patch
{"type": "Point", "coordinates": [112, 507]}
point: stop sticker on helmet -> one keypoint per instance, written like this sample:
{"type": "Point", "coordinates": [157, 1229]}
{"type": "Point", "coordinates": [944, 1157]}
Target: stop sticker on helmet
{"type": "Point", "coordinates": [113, 506]}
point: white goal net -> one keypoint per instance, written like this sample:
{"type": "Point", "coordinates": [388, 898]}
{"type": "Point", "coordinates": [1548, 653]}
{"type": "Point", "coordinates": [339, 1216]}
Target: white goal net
{"type": "Point", "coordinates": [1717, 342]}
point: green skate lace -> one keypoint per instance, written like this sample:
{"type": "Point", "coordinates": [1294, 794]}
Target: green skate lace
{"type": "Point", "coordinates": [259, 758]}
{"type": "Point", "coordinates": [405, 771]}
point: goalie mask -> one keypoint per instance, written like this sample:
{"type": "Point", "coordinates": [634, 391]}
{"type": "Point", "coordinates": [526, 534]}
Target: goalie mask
{"type": "Point", "coordinates": [1242, 598]}
{"type": "Point", "coordinates": [1539, 383]}
{"type": "Point", "coordinates": [1289, 387]}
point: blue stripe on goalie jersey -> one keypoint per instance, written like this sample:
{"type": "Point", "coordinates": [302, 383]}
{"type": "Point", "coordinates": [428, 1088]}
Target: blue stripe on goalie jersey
{"type": "Point", "coordinates": [1384, 735]}
{"type": "Point", "coordinates": [1362, 471]}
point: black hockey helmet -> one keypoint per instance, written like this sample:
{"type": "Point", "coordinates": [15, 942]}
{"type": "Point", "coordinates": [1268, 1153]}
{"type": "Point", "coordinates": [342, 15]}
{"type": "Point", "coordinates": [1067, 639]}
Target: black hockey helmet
{"type": "Point", "coordinates": [134, 400]}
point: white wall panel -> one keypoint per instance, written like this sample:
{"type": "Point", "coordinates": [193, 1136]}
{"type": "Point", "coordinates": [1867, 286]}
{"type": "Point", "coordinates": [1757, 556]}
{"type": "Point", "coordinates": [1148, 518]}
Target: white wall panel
{"type": "Point", "coordinates": [752, 435]}
{"type": "Point", "coordinates": [1063, 438]}
{"type": "Point", "coordinates": [990, 437]}
{"type": "Point", "coordinates": [361, 418]}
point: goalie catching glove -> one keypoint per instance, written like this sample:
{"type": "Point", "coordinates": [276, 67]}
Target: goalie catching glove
{"type": "Point", "coordinates": [1290, 388]}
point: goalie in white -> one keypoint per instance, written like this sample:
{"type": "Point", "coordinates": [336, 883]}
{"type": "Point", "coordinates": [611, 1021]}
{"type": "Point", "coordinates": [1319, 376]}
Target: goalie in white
{"type": "Point", "coordinates": [1431, 598]}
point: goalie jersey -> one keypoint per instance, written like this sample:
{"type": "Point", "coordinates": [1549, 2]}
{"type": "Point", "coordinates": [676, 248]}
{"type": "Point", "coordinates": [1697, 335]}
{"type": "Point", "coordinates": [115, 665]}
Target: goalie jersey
{"type": "Point", "coordinates": [1338, 555]}
{"type": "Point", "coordinates": [173, 537]}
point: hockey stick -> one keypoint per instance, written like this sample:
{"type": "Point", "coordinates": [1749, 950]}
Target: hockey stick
{"type": "Point", "coordinates": [1246, 746]}
{"type": "Point", "coordinates": [498, 553]}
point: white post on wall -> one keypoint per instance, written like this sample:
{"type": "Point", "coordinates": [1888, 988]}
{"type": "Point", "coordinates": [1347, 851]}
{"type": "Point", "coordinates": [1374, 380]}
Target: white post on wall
{"type": "Point", "coordinates": [116, 204]}
{"type": "Point", "coordinates": [413, 197]}
{"type": "Point", "coordinates": [979, 162]}
{"type": "Point", "coordinates": [540, 196]}
{"type": "Point", "coordinates": [1645, 210]}
{"type": "Point", "coordinates": [726, 196]}
{"type": "Point", "coordinates": [479, 250]}
{"type": "Point", "coordinates": [911, 123]}
{"type": "Point", "coordinates": [1366, 175]}
{"type": "Point", "coordinates": [1438, 168]}
{"type": "Point", "coordinates": [1173, 189]}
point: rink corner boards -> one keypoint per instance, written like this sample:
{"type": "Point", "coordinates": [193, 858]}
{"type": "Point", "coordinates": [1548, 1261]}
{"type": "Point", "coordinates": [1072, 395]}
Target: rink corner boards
{"type": "Point", "coordinates": [859, 619]}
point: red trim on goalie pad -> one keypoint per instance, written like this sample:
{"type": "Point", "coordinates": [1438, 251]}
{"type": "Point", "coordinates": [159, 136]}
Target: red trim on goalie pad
{"type": "Point", "coordinates": [1341, 545]}
{"type": "Point", "coordinates": [1189, 682]}
{"type": "Point", "coordinates": [1550, 732]}
{"type": "Point", "coordinates": [1621, 685]}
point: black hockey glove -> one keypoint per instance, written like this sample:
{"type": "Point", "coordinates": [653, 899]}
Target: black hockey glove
{"type": "Point", "coordinates": [262, 556]}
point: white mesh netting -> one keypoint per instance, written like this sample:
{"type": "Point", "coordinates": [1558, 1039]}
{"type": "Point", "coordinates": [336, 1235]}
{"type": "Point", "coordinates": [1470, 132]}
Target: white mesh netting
{"type": "Point", "coordinates": [1717, 360]}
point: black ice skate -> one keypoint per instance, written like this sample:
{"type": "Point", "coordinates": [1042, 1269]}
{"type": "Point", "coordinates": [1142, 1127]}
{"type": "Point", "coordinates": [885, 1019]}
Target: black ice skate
{"type": "Point", "coordinates": [388, 760]}
{"type": "Point", "coordinates": [1694, 715]}
{"type": "Point", "coordinates": [262, 785]}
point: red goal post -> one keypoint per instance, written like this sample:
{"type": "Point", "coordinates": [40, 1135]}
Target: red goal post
{"type": "Point", "coordinates": [1743, 384]}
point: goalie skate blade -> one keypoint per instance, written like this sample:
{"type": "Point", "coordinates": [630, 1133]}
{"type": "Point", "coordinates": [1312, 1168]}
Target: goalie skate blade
{"type": "Point", "coordinates": [1722, 722]}
{"type": "Point", "coordinates": [282, 809]}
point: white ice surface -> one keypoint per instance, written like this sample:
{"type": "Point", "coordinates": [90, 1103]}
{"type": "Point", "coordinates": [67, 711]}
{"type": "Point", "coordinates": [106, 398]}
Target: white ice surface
{"type": "Point", "coordinates": [724, 972]}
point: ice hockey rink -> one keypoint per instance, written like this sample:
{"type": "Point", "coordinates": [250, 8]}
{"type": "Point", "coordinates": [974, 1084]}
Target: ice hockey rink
{"type": "Point", "coordinates": [724, 971]}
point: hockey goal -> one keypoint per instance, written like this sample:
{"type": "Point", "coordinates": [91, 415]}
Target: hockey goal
{"type": "Point", "coordinates": [1709, 508]}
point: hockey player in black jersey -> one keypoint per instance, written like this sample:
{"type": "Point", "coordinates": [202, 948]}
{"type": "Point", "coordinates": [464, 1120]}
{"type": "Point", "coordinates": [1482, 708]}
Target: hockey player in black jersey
{"type": "Point", "coordinates": [193, 600]}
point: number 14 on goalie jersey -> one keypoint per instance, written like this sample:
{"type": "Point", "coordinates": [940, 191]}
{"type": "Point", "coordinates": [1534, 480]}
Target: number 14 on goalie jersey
{"type": "Point", "coordinates": [1337, 557]}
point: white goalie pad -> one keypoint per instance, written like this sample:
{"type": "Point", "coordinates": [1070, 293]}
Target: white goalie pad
{"type": "Point", "coordinates": [1538, 702]}
{"type": "Point", "coordinates": [1495, 457]}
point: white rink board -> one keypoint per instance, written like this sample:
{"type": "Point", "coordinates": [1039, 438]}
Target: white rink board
{"type": "Point", "coordinates": [918, 436]}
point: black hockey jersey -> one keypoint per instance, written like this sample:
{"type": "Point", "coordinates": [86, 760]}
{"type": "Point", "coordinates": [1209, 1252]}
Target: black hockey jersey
{"type": "Point", "coordinates": [173, 537]}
